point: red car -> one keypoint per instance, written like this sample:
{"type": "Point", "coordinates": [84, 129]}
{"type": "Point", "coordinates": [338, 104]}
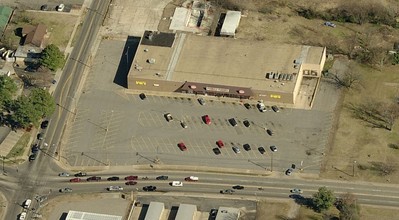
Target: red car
{"type": "Point", "coordinates": [220, 143]}
{"type": "Point", "coordinates": [131, 178]}
{"type": "Point", "coordinates": [131, 183]}
{"type": "Point", "coordinates": [75, 180]}
{"type": "Point", "coordinates": [182, 146]}
{"type": "Point", "coordinates": [207, 119]}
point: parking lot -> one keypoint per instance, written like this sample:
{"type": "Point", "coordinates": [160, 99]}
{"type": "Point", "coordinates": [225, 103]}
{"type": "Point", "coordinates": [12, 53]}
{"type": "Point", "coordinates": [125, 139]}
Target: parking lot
{"type": "Point", "coordinates": [113, 126]}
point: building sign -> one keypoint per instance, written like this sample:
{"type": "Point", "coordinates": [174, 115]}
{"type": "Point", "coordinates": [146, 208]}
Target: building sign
{"type": "Point", "coordinates": [275, 96]}
{"type": "Point", "coordinates": [141, 83]}
{"type": "Point", "coordinates": [214, 89]}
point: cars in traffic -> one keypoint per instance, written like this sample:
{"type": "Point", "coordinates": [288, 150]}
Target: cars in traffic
{"type": "Point", "coordinates": [131, 178]}
{"type": "Point", "coordinates": [130, 183]}
{"type": "Point", "coordinates": [115, 188]}
{"type": "Point", "coordinates": [182, 146]}
{"type": "Point", "coordinates": [236, 149]}
{"type": "Point", "coordinates": [75, 180]}
{"type": "Point", "coordinates": [168, 117]}
{"type": "Point", "coordinates": [247, 147]}
{"type": "Point", "coordinates": [201, 101]}
{"type": "Point", "coordinates": [261, 150]}
{"type": "Point", "coordinates": [216, 151]}
{"type": "Point", "coordinates": [65, 190]}
{"type": "Point", "coordinates": [149, 188]}
{"type": "Point", "coordinates": [296, 191]}
{"type": "Point", "coordinates": [246, 123]}
{"type": "Point", "coordinates": [227, 191]}
{"type": "Point", "coordinates": [220, 143]}
{"type": "Point", "coordinates": [233, 122]}
{"type": "Point", "coordinates": [176, 183]}
{"type": "Point", "coordinates": [63, 174]}
{"type": "Point", "coordinates": [206, 119]}
{"type": "Point", "coordinates": [191, 179]}
{"type": "Point", "coordinates": [162, 178]}
{"type": "Point", "coordinates": [80, 174]}
{"type": "Point", "coordinates": [93, 178]}
{"type": "Point", "coordinates": [238, 187]}
{"type": "Point", "coordinates": [273, 148]}
{"type": "Point", "coordinates": [113, 178]}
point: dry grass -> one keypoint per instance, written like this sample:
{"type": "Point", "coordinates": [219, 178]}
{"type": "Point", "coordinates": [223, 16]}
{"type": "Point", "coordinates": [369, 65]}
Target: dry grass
{"type": "Point", "coordinates": [271, 210]}
{"type": "Point", "coordinates": [371, 213]}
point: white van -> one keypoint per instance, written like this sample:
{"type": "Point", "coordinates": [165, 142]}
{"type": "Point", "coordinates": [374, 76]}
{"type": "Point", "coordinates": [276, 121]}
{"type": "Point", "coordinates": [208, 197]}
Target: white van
{"type": "Point", "coordinates": [27, 203]}
{"type": "Point", "coordinates": [177, 183]}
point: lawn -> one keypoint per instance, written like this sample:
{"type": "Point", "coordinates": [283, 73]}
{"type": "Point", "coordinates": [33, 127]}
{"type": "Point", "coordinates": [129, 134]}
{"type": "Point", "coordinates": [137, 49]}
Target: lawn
{"type": "Point", "coordinates": [19, 148]}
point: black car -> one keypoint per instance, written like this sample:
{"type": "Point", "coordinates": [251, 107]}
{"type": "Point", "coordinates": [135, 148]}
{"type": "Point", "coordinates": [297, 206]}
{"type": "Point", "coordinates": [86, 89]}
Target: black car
{"type": "Point", "coordinates": [216, 150]}
{"type": "Point", "coordinates": [44, 8]}
{"type": "Point", "coordinates": [238, 187]}
{"type": "Point", "coordinates": [32, 157]}
{"type": "Point", "coordinates": [233, 122]}
{"type": "Point", "coordinates": [142, 96]}
{"type": "Point", "coordinates": [149, 188]}
{"type": "Point", "coordinates": [246, 123]}
{"type": "Point", "coordinates": [275, 108]}
{"type": "Point", "coordinates": [273, 148]}
{"type": "Point", "coordinates": [114, 178]}
{"type": "Point", "coordinates": [269, 132]}
{"type": "Point", "coordinates": [94, 178]}
{"type": "Point", "coordinates": [227, 191]}
{"type": "Point", "coordinates": [213, 213]}
{"type": "Point", "coordinates": [162, 178]}
{"type": "Point", "coordinates": [80, 174]}
{"type": "Point", "coordinates": [40, 136]}
{"type": "Point", "coordinates": [44, 124]}
{"type": "Point", "coordinates": [247, 147]}
{"type": "Point", "coordinates": [35, 148]}
{"type": "Point", "coordinates": [247, 106]}
{"type": "Point", "coordinates": [261, 150]}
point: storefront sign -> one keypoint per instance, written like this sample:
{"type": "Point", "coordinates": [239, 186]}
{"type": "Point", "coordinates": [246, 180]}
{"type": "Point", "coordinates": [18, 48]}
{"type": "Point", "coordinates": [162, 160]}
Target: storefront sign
{"type": "Point", "coordinates": [142, 83]}
{"type": "Point", "coordinates": [275, 96]}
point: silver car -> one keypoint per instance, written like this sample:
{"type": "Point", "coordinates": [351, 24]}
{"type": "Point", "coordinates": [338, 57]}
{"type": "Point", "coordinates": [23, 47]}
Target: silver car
{"type": "Point", "coordinates": [236, 150]}
{"type": "Point", "coordinates": [63, 174]}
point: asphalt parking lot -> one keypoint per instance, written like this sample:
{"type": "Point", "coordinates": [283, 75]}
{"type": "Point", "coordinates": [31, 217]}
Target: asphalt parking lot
{"type": "Point", "coordinates": [112, 126]}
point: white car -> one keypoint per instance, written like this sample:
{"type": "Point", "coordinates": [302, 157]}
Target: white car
{"type": "Point", "coordinates": [176, 183]}
{"type": "Point", "coordinates": [22, 216]}
{"type": "Point", "coordinates": [63, 174]}
{"type": "Point", "coordinates": [60, 7]}
{"type": "Point", "coordinates": [115, 188]}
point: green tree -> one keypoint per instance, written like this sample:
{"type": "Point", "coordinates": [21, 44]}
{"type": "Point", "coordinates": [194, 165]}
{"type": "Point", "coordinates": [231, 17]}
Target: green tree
{"type": "Point", "coordinates": [323, 199]}
{"type": "Point", "coordinates": [42, 101]}
{"type": "Point", "coordinates": [7, 90]}
{"type": "Point", "coordinates": [348, 207]}
{"type": "Point", "coordinates": [23, 113]}
{"type": "Point", "coordinates": [52, 57]}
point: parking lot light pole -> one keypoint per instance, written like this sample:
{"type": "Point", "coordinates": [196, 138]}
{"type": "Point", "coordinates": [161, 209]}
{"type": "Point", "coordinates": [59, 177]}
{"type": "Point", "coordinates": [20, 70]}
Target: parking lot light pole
{"type": "Point", "coordinates": [353, 170]}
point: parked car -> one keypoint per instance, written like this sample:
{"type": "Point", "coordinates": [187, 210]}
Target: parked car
{"type": "Point", "coordinates": [93, 178]}
{"type": "Point", "coordinates": [60, 7]}
{"type": "Point", "coordinates": [247, 106]}
{"type": "Point", "coordinates": [149, 188]}
{"type": "Point", "coordinates": [247, 147]}
{"type": "Point", "coordinates": [296, 191]}
{"type": "Point", "coordinates": [236, 149]}
{"type": "Point", "coordinates": [206, 119]}
{"type": "Point", "coordinates": [238, 187]}
{"type": "Point", "coordinates": [275, 108]}
{"type": "Point", "coordinates": [142, 96]}
{"type": "Point", "coordinates": [191, 179]}
{"type": "Point", "coordinates": [227, 191]}
{"type": "Point", "coordinates": [216, 151]}
{"type": "Point", "coordinates": [168, 117]}
{"type": "Point", "coordinates": [220, 143]}
{"type": "Point", "coordinates": [130, 183]}
{"type": "Point", "coordinates": [162, 178]}
{"type": "Point", "coordinates": [44, 8]}
{"type": "Point", "coordinates": [261, 107]}
{"type": "Point", "coordinates": [213, 213]}
{"type": "Point", "coordinates": [176, 183]}
{"type": "Point", "coordinates": [201, 101]}
{"type": "Point", "coordinates": [233, 122]}
{"type": "Point", "coordinates": [35, 148]}
{"type": "Point", "coordinates": [40, 136]}
{"type": "Point", "coordinates": [65, 190]}
{"type": "Point", "coordinates": [182, 146]}
{"type": "Point", "coordinates": [131, 178]}
{"type": "Point", "coordinates": [75, 180]}
{"type": "Point", "coordinates": [22, 216]}
{"type": "Point", "coordinates": [63, 174]}
{"type": "Point", "coordinates": [261, 150]}
{"type": "Point", "coordinates": [33, 157]}
{"type": "Point", "coordinates": [44, 124]}
{"type": "Point", "coordinates": [81, 174]}
{"type": "Point", "coordinates": [115, 188]}
{"type": "Point", "coordinates": [329, 24]}
{"type": "Point", "coordinates": [273, 148]}
{"type": "Point", "coordinates": [246, 123]}
{"type": "Point", "coordinates": [114, 178]}
{"type": "Point", "coordinates": [269, 132]}
{"type": "Point", "coordinates": [183, 124]}
{"type": "Point", "coordinates": [288, 172]}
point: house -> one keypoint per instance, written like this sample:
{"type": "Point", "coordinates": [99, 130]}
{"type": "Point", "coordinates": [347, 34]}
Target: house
{"type": "Point", "coordinates": [34, 35]}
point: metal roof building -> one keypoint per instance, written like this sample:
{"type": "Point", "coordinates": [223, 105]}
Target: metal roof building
{"type": "Point", "coordinates": [227, 213]}
{"type": "Point", "coordinates": [230, 24]}
{"type": "Point", "coordinates": [154, 211]}
{"type": "Point", "coordinates": [186, 212]}
{"type": "Point", "coordinates": [77, 215]}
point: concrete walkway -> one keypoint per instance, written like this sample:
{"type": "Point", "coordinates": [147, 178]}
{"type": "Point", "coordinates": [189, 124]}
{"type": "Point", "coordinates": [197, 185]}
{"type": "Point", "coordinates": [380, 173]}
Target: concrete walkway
{"type": "Point", "coordinates": [10, 141]}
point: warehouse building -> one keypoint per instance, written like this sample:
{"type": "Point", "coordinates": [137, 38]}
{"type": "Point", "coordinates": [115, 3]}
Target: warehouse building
{"type": "Point", "coordinates": [155, 211]}
{"type": "Point", "coordinates": [223, 67]}
{"type": "Point", "coordinates": [186, 212]}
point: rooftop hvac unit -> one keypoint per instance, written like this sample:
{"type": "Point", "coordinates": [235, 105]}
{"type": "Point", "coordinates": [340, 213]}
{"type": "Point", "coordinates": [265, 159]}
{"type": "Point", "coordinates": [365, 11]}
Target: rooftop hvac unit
{"type": "Point", "coordinates": [151, 61]}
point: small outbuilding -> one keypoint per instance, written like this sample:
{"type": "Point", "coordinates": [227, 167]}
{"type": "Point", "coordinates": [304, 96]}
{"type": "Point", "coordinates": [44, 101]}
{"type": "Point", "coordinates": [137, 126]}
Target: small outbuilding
{"type": "Point", "coordinates": [230, 24]}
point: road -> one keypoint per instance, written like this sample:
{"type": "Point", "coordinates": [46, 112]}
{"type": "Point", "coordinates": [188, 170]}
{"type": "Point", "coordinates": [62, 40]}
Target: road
{"type": "Point", "coordinates": [31, 179]}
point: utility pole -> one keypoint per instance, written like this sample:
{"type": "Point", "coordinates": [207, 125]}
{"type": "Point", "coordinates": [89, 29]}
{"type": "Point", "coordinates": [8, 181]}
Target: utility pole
{"type": "Point", "coordinates": [353, 170]}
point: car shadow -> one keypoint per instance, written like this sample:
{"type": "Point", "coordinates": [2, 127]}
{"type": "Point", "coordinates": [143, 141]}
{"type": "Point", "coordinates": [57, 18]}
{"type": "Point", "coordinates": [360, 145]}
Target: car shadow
{"type": "Point", "coordinates": [126, 60]}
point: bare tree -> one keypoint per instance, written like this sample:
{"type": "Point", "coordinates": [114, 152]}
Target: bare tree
{"type": "Point", "coordinates": [348, 207]}
{"type": "Point", "coordinates": [348, 79]}
{"type": "Point", "coordinates": [390, 112]}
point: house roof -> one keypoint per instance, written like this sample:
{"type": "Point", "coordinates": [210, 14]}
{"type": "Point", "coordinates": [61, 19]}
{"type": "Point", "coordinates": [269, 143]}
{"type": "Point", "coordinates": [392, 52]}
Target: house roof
{"type": "Point", "coordinates": [34, 34]}
{"type": "Point", "coordinates": [5, 13]}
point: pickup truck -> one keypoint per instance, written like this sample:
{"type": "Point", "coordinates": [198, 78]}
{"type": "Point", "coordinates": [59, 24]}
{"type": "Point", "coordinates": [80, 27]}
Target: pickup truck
{"type": "Point", "coordinates": [191, 178]}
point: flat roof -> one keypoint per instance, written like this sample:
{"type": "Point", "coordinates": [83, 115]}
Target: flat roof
{"type": "Point", "coordinates": [154, 211]}
{"type": "Point", "coordinates": [160, 39]}
{"type": "Point", "coordinates": [224, 61]}
{"type": "Point", "coordinates": [186, 212]}
{"type": "Point", "coordinates": [227, 213]}
{"type": "Point", "coordinates": [180, 19]}
{"type": "Point", "coordinates": [77, 215]}
{"type": "Point", "coordinates": [230, 23]}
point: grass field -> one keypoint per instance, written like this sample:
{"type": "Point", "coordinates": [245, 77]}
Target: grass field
{"type": "Point", "coordinates": [20, 146]}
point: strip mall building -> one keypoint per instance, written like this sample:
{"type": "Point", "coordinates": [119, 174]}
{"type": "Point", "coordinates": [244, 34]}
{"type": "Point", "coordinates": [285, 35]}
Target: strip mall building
{"type": "Point", "coordinates": [226, 67]}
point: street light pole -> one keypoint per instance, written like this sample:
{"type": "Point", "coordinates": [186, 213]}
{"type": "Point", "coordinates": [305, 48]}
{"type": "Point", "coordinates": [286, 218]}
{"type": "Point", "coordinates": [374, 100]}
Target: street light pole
{"type": "Point", "coordinates": [271, 165]}
{"type": "Point", "coordinates": [353, 170]}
